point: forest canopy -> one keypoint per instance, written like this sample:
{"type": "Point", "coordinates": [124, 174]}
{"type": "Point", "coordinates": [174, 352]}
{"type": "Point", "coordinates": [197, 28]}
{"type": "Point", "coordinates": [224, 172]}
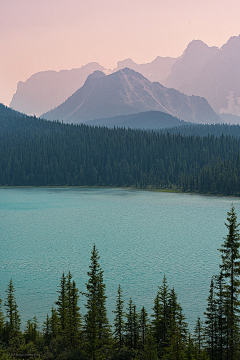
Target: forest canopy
{"type": "Point", "coordinates": [35, 152]}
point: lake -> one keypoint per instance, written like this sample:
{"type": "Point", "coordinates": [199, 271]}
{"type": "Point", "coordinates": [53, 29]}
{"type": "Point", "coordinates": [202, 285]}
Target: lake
{"type": "Point", "coordinates": [140, 236]}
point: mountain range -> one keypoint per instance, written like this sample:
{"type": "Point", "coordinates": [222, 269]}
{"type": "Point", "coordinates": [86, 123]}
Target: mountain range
{"type": "Point", "coordinates": [212, 73]}
{"type": "Point", "coordinates": [45, 90]}
{"type": "Point", "coordinates": [129, 92]}
{"type": "Point", "coordinates": [204, 71]}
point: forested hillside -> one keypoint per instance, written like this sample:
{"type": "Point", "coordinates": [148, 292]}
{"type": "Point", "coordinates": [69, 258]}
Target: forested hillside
{"type": "Point", "coordinates": [36, 152]}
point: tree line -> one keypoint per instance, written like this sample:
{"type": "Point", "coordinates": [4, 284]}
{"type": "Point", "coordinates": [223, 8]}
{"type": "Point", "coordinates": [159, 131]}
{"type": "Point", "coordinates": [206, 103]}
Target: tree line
{"type": "Point", "coordinates": [134, 334]}
{"type": "Point", "coordinates": [35, 152]}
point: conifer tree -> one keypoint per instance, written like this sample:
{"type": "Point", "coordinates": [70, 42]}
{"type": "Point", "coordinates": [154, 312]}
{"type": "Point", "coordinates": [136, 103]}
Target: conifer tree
{"type": "Point", "coordinates": [221, 314]}
{"type": "Point", "coordinates": [1, 321]}
{"type": "Point", "coordinates": [47, 331]}
{"type": "Point", "coordinates": [76, 322]}
{"type": "Point", "coordinates": [156, 330]}
{"type": "Point", "coordinates": [231, 271]}
{"type": "Point", "coordinates": [198, 335]}
{"type": "Point", "coordinates": [13, 319]}
{"type": "Point", "coordinates": [54, 323]}
{"type": "Point", "coordinates": [210, 329]}
{"type": "Point", "coordinates": [62, 303]}
{"type": "Point", "coordinates": [96, 322]}
{"type": "Point", "coordinates": [119, 318]}
{"type": "Point", "coordinates": [135, 318]}
{"type": "Point", "coordinates": [150, 348]}
{"type": "Point", "coordinates": [143, 325]}
{"type": "Point", "coordinates": [129, 324]}
{"type": "Point", "coordinates": [165, 312]}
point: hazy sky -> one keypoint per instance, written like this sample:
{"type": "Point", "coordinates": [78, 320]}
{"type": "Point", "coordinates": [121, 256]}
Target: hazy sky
{"type": "Point", "coordinates": [38, 35]}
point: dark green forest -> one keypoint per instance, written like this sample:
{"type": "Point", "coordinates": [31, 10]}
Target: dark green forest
{"type": "Point", "coordinates": [35, 152]}
{"type": "Point", "coordinates": [135, 334]}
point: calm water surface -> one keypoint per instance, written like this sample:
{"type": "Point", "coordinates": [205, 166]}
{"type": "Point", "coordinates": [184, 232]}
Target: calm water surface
{"type": "Point", "coordinates": [140, 236]}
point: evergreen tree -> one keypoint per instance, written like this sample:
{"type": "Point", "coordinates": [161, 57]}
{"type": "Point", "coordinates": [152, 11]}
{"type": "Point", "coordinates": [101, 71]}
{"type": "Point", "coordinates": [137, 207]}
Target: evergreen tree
{"type": "Point", "coordinates": [54, 323]}
{"type": "Point", "coordinates": [165, 318]}
{"type": "Point", "coordinates": [231, 271]}
{"type": "Point", "coordinates": [221, 315]}
{"type": "Point", "coordinates": [31, 332]}
{"type": "Point", "coordinates": [210, 329]}
{"type": "Point", "coordinates": [156, 330]}
{"type": "Point", "coordinates": [199, 335]}
{"type": "Point", "coordinates": [143, 325]}
{"type": "Point", "coordinates": [47, 331]}
{"type": "Point", "coordinates": [129, 325]}
{"type": "Point", "coordinates": [76, 322]}
{"type": "Point", "coordinates": [119, 318]}
{"type": "Point", "coordinates": [12, 326]}
{"type": "Point", "coordinates": [62, 304]}
{"type": "Point", "coordinates": [135, 318]}
{"type": "Point", "coordinates": [1, 321]}
{"type": "Point", "coordinates": [150, 348]}
{"type": "Point", "coordinates": [96, 323]}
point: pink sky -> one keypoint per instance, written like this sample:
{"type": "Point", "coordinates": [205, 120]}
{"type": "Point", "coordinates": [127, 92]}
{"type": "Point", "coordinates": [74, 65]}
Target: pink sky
{"type": "Point", "coordinates": [38, 35]}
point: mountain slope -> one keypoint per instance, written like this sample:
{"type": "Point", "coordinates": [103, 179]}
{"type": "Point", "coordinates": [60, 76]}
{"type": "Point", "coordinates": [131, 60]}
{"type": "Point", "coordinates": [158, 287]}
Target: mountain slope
{"type": "Point", "coordinates": [146, 120]}
{"type": "Point", "coordinates": [186, 69]}
{"type": "Point", "coordinates": [157, 70]}
{"type": "Point", "coordinates": [128, 92]}
{"type": "Point", "coordinates": [217, 79]}
{"type": "Point", "coordinates": [47, 89]}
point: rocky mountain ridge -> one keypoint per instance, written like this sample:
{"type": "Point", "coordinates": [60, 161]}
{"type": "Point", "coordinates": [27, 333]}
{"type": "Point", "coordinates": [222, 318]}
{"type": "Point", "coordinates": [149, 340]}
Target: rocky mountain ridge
{"type": "Point", "coordinates": [129, 92]}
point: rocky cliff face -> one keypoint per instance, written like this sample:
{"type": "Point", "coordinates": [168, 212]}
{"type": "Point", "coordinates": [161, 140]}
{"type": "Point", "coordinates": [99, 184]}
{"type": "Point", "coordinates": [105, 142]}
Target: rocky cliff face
{"type": "Point", "coordinates": [215, 75]}
{"type": "Point", "coordinates": [128, 92]}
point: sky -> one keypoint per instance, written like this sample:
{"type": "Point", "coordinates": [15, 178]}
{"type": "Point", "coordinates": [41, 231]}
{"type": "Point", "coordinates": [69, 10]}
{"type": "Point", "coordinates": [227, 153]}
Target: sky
{"type": "Point", "coordinates": [37, 35]}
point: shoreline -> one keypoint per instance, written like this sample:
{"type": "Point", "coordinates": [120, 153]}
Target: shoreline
{"type": "Point", "coordinates": [116, 187]}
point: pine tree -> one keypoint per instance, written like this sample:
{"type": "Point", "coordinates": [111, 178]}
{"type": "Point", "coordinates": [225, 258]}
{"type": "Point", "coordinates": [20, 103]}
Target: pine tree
{"type": "Point", "coordinates": [47, 331]}
{"type": "Point", "coordinates": [231, 271]}
{"type": "Point", "coordinates": [198, 335]}
{"type": "Point", "coordinates": [119, 318]}
{"type": "Point", "coordinates": [1, 321]}
{"type": "Point", "coordinates": [31, 332]}
{"type": "Point", "coordinates": [210, 329]}
{"type": "Point", "coordinates": [221, 315]}
{"type": "Point", "coordinates": [143, 325]}
{"type": "Point", "coordinates": [156, 330]}
{"type": "Point", "coordinates": [62, 303]}
{"type": "Point", "coordinates": [13, 319]}
{"type": "Point", "coordinates": [76, 322]}
{"type": "Point", "coordinates": [54, 323]}
{"type": "Point", "coordinates": [150, 348]}
{"type": "Point", "coordinates": [129, 325]}
{"type": "Point", "coordinates": [135, 318]}
{"type": "Point", "coordinates": [96, 323]}
{"type": "Point", "coordinates": [165, 313]}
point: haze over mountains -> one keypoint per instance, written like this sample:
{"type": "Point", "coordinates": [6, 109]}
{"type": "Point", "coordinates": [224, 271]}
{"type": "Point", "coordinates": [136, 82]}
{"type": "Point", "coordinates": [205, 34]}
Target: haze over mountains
{"type": "Point", "coordinates": [128, 92]}
{"type": "Point", "coordinates": [203, 71]}
{"type": "Point", "coordinates": [212, 73]}
{"type": "Point", "coordinates": [45, 90]}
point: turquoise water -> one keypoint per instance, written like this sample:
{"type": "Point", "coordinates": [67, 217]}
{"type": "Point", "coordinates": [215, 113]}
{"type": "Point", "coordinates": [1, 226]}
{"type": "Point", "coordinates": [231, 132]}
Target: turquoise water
{"type": "Point", "coordinates": [140, 236]}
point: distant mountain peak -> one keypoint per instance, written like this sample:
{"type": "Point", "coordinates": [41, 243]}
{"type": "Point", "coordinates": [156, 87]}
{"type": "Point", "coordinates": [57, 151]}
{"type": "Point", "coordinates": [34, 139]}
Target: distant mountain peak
{"type": "Point", "coordinates": [125, 63]}
{"type": "Point", "coordinates": [128, 92]}
{"type": "Point", "coordinates": [96, 75]}
{"type": "Point", "coordinates": [232, 43]}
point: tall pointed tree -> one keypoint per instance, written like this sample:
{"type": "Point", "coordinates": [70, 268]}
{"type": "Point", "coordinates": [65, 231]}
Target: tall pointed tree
{"type": "Point", "coordinates": [210, 329]}
{"type": "Point", "coordinates": [62, 303]}
{"type": "Point", "coordinates": [143, 325]}
{"type": "Point", "coordinates": [129, 325]}
{"type": "Point", "coordinates": [96, 322]}
{"type": "Point", "coordinates": [13, 318]}
{"type": "Point", "coordinates": [119, 318]}
{"type": "Point", "coordinates": [231, 271]}
{"type": "Point", "coordinates": [1, 320]}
